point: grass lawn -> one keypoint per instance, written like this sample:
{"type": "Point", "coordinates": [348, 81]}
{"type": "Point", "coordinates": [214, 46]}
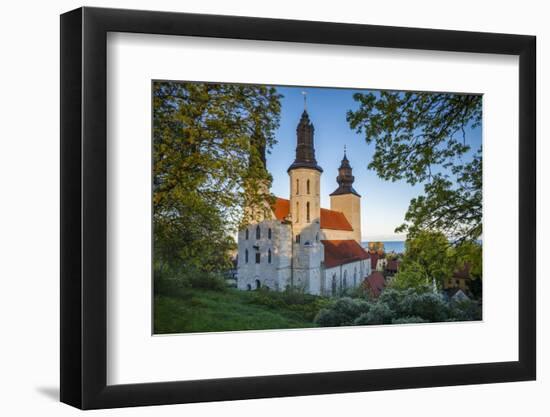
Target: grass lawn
{"type": "Point", "coordinates": [194, 310]}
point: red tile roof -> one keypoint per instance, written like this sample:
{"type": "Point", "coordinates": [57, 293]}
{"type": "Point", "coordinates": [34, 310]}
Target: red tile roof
{"type": "Point", "coordinates": [375, 283]}
{"type": "Point", "coordinates": [339, 252]}
{"type": "Point", "coordinates": [335, 220]}
{"type": "Point", "coordinates": [281, 208]}
{"type": "Point", "coordinates": [330, 219]}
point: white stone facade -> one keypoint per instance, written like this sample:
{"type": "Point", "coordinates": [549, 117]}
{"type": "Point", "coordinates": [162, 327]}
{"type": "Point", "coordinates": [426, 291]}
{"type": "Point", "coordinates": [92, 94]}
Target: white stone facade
{"type": "Point", "coordinates": [267, 261]}
{"type": "Point", "coordinates": [342, 278]}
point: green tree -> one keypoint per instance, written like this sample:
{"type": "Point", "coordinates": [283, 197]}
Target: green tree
{"type": "Point", "coordinates": [421, 138]}
{"type": "Point", "coordinates": [470, 254]}
{"type": "Point", "coordinates": [411, 275]}
{"type": "Point", "coordinates": [430, 254]}
{"type": "Point", "coordinates": [209, 142]}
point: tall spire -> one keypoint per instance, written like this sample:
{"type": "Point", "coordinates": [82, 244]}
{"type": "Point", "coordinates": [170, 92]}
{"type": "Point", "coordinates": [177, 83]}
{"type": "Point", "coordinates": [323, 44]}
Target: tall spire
{"type": "Point", "coordinates": [345, 178]}
{"type": "Point", "coordinates": [305, 151]}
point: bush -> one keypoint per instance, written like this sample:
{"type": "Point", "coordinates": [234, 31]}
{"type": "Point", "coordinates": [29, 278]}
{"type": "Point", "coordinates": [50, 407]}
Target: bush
{"type": "Point", "coordinates": [342, 312]}
{"type": "Point", "coordinates": [466, 310]}
{"type": "Point", "coordinates": [379, 313]}
{"type": "Point", "coordinates": [409, 320]}
{"type": "Point", "coordinates": [429, 306]}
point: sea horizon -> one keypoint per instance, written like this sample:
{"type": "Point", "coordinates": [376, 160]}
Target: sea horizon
{"type": "Point", "coordinates": [397, 246]}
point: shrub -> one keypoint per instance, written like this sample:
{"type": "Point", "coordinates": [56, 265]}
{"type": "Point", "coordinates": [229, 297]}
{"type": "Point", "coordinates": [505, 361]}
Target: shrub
{"type": "Point", "coordinates": [408, 320]}
{"type": "Point", "coordinates": [466, 310]}
{"type": "Point", "coordinates": [429, 306]}
{"type": "Point", "coordinates": [379, 313]}
{"type": "Point", "coordinates": [342, 312]}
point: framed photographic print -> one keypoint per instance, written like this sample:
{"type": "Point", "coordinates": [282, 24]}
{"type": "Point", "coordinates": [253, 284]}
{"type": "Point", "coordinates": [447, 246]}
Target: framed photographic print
{"type": "Point", "coordinates": [256, 208]}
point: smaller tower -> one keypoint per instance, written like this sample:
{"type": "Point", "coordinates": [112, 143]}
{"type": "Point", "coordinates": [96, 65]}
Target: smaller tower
{"type": "Point", "coordinates": [345, 199]}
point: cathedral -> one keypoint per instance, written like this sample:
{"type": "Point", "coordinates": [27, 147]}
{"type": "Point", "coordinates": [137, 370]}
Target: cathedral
{"type": "Point", "coordinates": [302, 245]}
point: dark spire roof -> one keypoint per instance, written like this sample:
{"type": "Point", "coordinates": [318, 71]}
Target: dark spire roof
{"type": "Point", "coordinates": [305, 151]}
{"type": "Point", "coordinates": [345, 178]}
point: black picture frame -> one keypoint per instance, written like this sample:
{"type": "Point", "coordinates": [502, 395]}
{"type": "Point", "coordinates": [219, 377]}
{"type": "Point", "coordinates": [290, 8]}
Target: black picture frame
{"type": "Point", "coordinates": [84, 207]}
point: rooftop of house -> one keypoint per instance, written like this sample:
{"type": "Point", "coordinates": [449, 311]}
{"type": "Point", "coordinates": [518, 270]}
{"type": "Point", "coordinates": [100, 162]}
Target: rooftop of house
{"type": "Point", "coordinates": [393, 265]}
{"type": "Point", "coordinates": [376, 283]}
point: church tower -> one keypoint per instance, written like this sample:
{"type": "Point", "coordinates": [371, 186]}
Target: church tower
{"type": "Point", "coordinates": [305, 210]}
{"type": "Point", "coordinates": [346, 199]}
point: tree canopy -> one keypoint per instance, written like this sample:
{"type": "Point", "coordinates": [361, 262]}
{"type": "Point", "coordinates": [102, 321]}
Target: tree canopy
{"type": "Point", "coordinates": [421, 138]}
{"type": "Point", "coordinates": [209, 143]}
{"type": "Point", "coordinates": [430, 258]}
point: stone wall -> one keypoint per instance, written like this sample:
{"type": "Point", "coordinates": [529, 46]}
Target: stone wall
{"type": "Point", "coordinates": [347, 276]}
{"type": "Point", "coordinates": [275, 274]}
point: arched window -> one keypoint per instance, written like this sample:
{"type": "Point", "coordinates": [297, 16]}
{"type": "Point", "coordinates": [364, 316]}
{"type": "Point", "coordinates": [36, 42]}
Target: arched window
{"type": "Point", "coordinates": [246, 256]}
{"type": "Point", "coordinates": [269, 233]}
{"type": "Point", "coordinates": [297, 186]}
{"type": "Point", "coordinates": [258, 284]}
{"type": "Point", "coordinates": [248, 287]}
{"type": "Point", "coordinates": [246, 234]}
{"type": "Point", "coordinates": [307, 211]}
{"type": "Point", "coordinates": [307, 186]}
{"type": "Point", "coordinates": [258, 257]}
{"type": "Point", "coordinates": [269, 256]}
{"type": "Point", "coordinates": [297, 238]}
{"type": "Point", "coordinates": [334, 284]}
{"type": "Point", "coordinates": [258, 232]}
{"type": "Point", "coordinates": [297, 212]}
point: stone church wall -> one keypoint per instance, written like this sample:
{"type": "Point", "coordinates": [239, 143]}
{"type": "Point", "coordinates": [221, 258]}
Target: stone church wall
{"type": "Point", "coordinates": [275, 274]}
{"type": "Point", "coordinates": [345, 277]}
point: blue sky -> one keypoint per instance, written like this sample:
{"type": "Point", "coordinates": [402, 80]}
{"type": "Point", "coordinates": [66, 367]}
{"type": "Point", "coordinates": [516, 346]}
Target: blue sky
{"type": "Point", "coordinates": [383, 203]}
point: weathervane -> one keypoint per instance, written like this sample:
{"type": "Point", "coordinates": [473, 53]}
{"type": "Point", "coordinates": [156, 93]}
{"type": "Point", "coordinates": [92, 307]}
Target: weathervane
{"type": "Point", "coordinates": [305, 100]}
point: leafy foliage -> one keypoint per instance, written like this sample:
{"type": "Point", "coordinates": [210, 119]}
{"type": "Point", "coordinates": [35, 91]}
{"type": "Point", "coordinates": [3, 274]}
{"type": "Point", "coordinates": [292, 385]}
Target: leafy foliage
{"type": "Point", "coordinates": [430, 306]}
{"type": "Point", "coordinates": [397, 306]}
{"type": "Point", "coordinates": [208, 146]}
{"type": "Point", "coordinates": [409, 320]}
{"type": "Point", "coordinates": [455, 209]}
{"type": "Point", "coordinates": [430, 258]}
{"type": "Point", "coordinates": [411, 275]}
{"type": "Point", "coordinates": [421, 138]}
{"type": "Point", "coordinates": [342, 312]}
{"type": "Point", "coordinates": [379, 313]}
{"type": "Point", "coordinates": [465, 310]}
{"type": "Point", "coordinates": [431, 253]}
